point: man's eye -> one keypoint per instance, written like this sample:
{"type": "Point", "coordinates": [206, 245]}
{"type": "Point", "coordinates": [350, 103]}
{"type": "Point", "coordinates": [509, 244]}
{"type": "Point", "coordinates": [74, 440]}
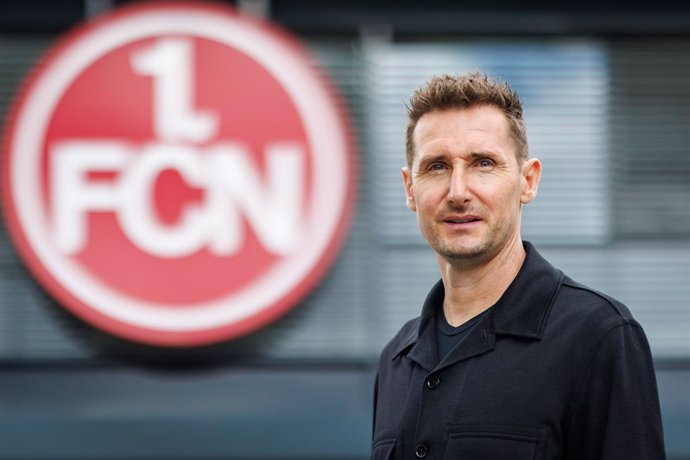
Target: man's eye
{"type": "Point", "coordinates": [437, 167]}
{"type": "Point", "coordinates": [485, 163]}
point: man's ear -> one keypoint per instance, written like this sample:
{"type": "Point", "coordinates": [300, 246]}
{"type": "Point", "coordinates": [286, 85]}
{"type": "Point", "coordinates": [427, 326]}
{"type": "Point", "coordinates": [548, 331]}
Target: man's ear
{"type": "Point", "coordinates": [407, 182]}
{"type": "Point", "coordinates": [531, 175]}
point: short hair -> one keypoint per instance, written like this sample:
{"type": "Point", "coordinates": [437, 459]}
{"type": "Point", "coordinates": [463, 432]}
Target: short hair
{"type": "Point", "coordinates": [447, 92]}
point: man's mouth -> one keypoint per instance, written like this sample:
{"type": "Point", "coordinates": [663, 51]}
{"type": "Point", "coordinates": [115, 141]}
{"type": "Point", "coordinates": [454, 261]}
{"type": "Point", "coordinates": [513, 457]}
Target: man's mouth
{"type": "Point", "coordinates": [462, 220]}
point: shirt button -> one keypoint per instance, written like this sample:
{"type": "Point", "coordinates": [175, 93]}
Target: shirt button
{"type": "Point", "coordinates": [433, 382]}
{"type": "Point", "coordinates": [421, 450]}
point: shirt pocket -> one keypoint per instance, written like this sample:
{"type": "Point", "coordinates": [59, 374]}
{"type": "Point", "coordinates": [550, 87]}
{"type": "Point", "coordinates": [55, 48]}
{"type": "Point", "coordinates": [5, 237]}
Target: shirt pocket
{"type": "Point", "coordinates": [383, 447]}
{"type": "Point", "coordinates": [494, 442]}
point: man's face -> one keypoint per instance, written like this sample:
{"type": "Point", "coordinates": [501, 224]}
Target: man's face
{"type": "Point", "coordinates": [466, 184]}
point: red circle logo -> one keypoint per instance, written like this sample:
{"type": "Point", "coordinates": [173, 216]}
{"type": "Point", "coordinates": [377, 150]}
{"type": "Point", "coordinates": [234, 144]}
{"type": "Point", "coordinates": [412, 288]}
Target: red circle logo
{"type": "Point", "coordinates": [178, 174]}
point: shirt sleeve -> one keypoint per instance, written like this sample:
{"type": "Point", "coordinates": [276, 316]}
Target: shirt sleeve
{"type": "Point", "coordinates": [617, 413]}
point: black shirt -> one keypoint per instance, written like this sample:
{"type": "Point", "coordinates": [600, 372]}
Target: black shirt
{"type": "Point", "coordinates": [554, 371]}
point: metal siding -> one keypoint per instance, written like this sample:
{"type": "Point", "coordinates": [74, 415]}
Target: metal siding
{"type": "Point", "coordinates": [576, 118]}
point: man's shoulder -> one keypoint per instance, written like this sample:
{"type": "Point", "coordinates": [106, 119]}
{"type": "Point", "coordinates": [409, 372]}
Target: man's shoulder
{"type": "Point", "coordinates": [592, 307]}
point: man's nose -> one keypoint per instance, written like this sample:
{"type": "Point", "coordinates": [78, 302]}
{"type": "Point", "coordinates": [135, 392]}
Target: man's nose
{"type": "Point", "coordinates": [458, 190]}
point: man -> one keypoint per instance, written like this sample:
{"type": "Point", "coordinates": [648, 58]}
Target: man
{"type": "Point", "coordinates": [510, 358]}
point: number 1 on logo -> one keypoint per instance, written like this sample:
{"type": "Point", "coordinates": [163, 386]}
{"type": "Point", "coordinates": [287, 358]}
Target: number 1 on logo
{"type": "Point", "coordinates": [170, 62]}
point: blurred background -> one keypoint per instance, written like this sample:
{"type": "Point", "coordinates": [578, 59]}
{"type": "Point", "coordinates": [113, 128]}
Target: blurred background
{"type": "Point", "coordinates": [606, 89]}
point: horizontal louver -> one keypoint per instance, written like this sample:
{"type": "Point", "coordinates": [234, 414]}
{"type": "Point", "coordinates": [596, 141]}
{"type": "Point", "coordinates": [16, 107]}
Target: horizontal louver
{"type": "Point", "coordinates": [608, 120]}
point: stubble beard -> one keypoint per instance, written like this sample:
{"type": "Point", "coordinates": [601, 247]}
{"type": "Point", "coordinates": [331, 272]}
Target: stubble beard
{"type": "Point", "coordinates": [470, 248]}
{"type": "Point", "coordinates": [457, 251]}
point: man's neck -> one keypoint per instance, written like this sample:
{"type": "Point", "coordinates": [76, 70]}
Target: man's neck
{"type": "Point", "coordinates": [472, 288]}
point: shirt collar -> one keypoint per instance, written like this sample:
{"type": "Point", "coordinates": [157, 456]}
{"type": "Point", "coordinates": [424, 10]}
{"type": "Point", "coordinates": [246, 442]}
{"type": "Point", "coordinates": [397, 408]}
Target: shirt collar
{"type": "Point", "coordinates": [522, 310]}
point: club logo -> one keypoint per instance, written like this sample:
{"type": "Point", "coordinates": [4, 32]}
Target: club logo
{"type": "Point", "coordinates": [177, 175]}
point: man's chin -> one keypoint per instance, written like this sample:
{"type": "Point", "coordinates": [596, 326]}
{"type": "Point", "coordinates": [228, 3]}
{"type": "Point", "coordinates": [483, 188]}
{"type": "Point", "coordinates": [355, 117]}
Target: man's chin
{"type": "Point", "coordinates": [463, 253]}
